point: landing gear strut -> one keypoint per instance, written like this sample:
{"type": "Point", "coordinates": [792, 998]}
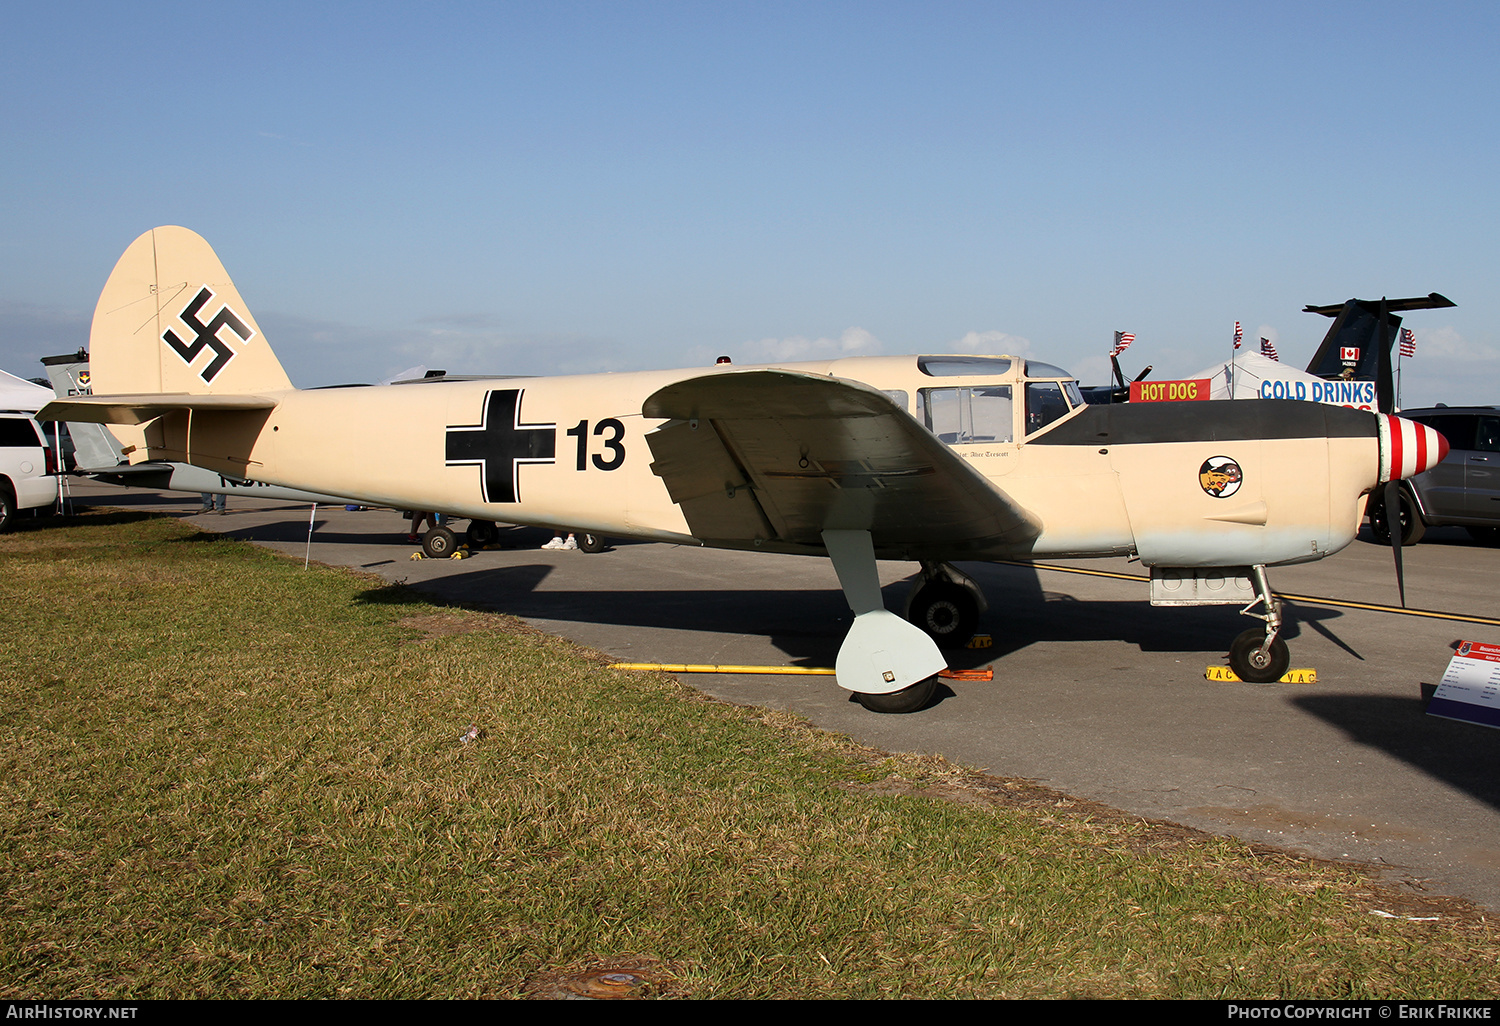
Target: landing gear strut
{"type": "Point", "coordinates": [1258, 655]}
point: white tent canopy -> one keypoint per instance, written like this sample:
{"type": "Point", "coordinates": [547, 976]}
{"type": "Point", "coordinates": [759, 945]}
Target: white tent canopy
{"type": "Point", "coordinates": [20, 394]}
{"type": "Point", "coordinates": [1253, 376]}
{"type": "Point", "coordinates": [1249, 371]}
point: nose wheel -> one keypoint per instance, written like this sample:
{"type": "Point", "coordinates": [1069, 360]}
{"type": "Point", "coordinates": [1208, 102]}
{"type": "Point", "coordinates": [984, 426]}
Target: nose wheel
{"type": "Point", "coordinates": [1253, 660]}
{"type": "Point", "coordinates": [1259, 655]}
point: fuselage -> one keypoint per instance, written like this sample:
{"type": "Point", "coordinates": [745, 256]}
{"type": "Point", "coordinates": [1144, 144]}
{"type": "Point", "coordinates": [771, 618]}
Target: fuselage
{"type": "Point", "coordinates": [1179, 484]}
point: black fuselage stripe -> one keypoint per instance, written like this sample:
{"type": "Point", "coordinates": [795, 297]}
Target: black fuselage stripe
{"type": "Point", "coordinates": [1218, 421]}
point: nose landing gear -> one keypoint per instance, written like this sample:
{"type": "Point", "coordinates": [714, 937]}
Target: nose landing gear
{"type": "Point", "coordinates": [1259, 655]}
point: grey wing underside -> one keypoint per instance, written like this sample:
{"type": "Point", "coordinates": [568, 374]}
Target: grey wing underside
{"type": "Point", "coordinates": [777, 457]}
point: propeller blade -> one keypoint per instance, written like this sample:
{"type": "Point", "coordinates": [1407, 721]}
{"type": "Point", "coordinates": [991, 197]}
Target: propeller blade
{"type": "Point", "coordinates": [1119, 378]}
{"type": "Point", "coordinates": [1142, 375]}
{"type": "Point", "coordinates": [1385, 389]}
{"type": "Point", "coordinates": [1398, 534]}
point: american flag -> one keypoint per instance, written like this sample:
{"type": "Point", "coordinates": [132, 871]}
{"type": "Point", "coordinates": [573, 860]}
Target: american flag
{"type": "Point", "coordinates": [1122, 342]}
{"type": "Point", "coordinates": [1408, 343]}
{"type": "Point", "coordinates": [1268, 348]}
{"type": "Point", "coordinates": [1239, 334]}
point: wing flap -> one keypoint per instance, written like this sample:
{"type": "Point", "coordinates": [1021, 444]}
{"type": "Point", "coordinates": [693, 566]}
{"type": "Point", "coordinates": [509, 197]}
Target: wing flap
{"type": "Point", "coordinates": [819, 453]}
{"type": "Point", "coordinates": [703, 479]}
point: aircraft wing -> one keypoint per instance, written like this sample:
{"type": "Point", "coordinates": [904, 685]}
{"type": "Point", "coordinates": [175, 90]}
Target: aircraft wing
{"type": "Point", "coordinates": [139, 409]}
{"type": "Point", "coordinates": [780, 455]}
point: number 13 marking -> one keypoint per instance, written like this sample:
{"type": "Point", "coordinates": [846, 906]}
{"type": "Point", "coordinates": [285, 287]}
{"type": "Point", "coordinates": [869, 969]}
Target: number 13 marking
{"type": "Point", "coordinates": [580, 431]}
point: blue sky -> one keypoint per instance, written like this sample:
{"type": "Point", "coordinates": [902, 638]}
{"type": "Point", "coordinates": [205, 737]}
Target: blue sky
{"type": "Point", "coordinates": [567, 187]}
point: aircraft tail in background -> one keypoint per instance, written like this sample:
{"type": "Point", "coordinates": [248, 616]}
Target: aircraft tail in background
{"type": "Point", "coordinates": [1353, 347]}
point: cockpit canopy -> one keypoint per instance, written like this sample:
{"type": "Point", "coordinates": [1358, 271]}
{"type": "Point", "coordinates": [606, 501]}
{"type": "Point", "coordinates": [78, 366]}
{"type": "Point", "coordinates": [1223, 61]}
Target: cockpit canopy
{"type": "Point", "coordinates": [983, 410]}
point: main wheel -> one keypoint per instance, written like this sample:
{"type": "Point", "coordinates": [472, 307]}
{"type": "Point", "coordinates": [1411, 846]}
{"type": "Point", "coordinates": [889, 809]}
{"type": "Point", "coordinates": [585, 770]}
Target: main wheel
{"type": "Point", "coordinates": [590, 542]}
{"type": "Point", "coordinates": [439, 543]}
{"type": "Point", "coordinates": [948, 613]}
{"type": "Point", "coordinates": [7, 511]}
{"type": "Point", "coordinates": [904, 701]}
{"type": "Point", "coordinates": [1412, 527]}
{"type": "Point", "coordinates": [1249, 664]}
{"type": "Point", "coordinates": [482, 533]}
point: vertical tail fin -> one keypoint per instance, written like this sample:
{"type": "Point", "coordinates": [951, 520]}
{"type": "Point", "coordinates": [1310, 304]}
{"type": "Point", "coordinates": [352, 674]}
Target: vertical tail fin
{"type": "Point", "coordinates": [170, 320]}
{"type": "Point", "coordinates": [93, 446]}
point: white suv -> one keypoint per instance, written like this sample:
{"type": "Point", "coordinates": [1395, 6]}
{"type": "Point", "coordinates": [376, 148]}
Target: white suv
{"type": "Point", "coordinates": [28, 467]}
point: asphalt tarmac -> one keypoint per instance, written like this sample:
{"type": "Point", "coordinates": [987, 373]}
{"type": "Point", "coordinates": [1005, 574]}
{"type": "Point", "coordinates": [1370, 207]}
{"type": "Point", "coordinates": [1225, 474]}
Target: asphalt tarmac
{"type": "Point", "coordinates": [1096, 693]}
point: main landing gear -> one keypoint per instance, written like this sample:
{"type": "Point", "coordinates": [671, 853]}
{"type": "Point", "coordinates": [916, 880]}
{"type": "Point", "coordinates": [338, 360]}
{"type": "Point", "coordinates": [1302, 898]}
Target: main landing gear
{"type": "Point", "coordinates": [890, 664]}
{"type": "Point", "coordinates": [1258, 655]}
{"type": "Point", "coordinates": [904, 701]}
{"type": "Point", "coordinates": [946, 604]}
{"type": "Point", "coordinates": [482, 533]}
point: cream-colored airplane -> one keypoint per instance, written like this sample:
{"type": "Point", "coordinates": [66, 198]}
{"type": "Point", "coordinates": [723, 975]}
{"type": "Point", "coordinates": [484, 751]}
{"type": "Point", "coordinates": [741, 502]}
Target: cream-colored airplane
{"type": "Point", "coordinates": [925, 458]}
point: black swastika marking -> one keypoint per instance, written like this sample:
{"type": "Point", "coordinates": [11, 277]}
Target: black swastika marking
{"type": "Point", "coordinates": [207, 335]}
{"type": "Point", "coordinates": [499, 444]}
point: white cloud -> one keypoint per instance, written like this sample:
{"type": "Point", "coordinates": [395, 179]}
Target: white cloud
{"type": "Point", "coordinates": [1092, 370]}
{"type": "Point", "coordinates": [853, 341]}
{"type": "Point", "coordinates": [1448, 344]}
{"type": "Point", "coordinates": [991, 343]}
{"type": "Point", "coordinates": [321, 352]}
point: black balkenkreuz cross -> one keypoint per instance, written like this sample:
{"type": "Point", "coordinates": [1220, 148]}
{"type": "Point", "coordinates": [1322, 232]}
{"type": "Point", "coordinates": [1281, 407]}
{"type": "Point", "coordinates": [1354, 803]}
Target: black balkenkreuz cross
{"type": "Point", "coordinates": [207, 335]}
{"type": "Point", "coordinates": [499, 444]}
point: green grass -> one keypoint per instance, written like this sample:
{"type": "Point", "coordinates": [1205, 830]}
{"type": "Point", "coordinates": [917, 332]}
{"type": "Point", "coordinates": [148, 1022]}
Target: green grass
{"type": "Point", "coordinates": [224, 776]}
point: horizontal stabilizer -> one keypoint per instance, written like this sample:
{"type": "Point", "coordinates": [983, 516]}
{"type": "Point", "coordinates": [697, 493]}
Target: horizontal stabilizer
{"type": "Point", "coordinates": [1431, 301]}
{"type": "Point", "coordinates": [129, 469]}
{"type": "Point", "coordinates": [141, 409]}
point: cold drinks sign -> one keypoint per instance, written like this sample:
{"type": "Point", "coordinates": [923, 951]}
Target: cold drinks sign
{"type": "Point", "coordinates": [1360, 394]}
{"type": "Point", "coordinates": [1168, 391]}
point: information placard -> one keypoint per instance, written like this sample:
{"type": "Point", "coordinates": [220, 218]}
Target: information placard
{"type": "Point", "coordinates": [1470, 690]}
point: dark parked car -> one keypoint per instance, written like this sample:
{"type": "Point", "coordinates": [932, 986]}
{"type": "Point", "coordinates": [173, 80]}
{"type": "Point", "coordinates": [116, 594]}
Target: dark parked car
{"type": "Point", "coordinates": [1463, 490]}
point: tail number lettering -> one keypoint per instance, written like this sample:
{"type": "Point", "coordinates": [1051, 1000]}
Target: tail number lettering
{"type": "Point", "coordinates": [613, 444]}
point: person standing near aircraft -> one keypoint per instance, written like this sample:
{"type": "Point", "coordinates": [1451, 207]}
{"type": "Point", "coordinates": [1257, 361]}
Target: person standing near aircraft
{"type": "Point", "coordinates": [417, 518]}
